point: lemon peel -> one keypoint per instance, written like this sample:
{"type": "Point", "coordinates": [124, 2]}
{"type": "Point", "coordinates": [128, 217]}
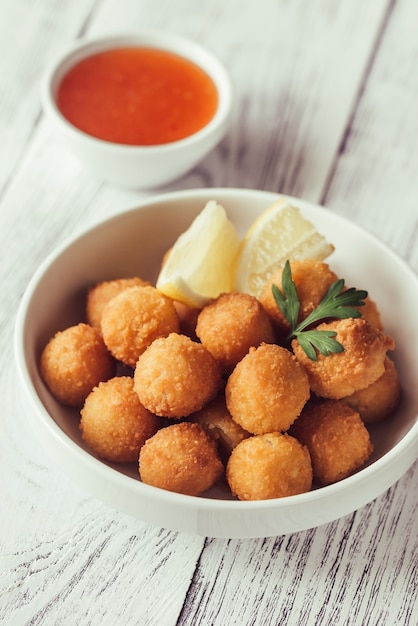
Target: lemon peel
{"type": "Point", "coordinates": [199, 266]}
{"type": "Point", "coordinates": [279, 233]}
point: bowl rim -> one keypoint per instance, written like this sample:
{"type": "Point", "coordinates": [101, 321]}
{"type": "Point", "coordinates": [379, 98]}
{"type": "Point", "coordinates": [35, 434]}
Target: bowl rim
{"type": "Point", "coordinates": [150, 38]}
{"type": "Point", "coordinates": [408, 440]}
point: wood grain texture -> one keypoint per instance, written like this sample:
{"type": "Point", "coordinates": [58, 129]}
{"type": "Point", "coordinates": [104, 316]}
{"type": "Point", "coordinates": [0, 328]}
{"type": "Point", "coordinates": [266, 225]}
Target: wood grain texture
{"type": "Point", "coordinates": [347, 572]}
{"type": "Point", "coordinates": [326, 109]}
{"type": "Point", "coordinates": [375, 174]}
{"type": "Point", "coordinates": [28, 39]}
{"type": "Point", "coordinates": [294, 105]}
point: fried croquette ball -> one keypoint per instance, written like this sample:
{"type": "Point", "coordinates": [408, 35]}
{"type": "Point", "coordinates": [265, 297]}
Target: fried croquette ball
{"type": "Point", "coordinates": [218, 423]}
{"type": "Point", "coordinates": [114, 424]}
{"type": "Point", "coordinates": [99, 295]}
{"type": "Point", "coordinates": [134, 318]}
{"type": "Point", "coordinates": [371, 313]}
{"type": "Point", "coordinates": [358, 366]}
{"type": "Point", "coordinates": [267, 390]}
{"type": "Point", "coordinates": [176, 376]}
{"type": "Point", "coordinates": [336, 438]}
{"type": "Point", "coordinates": [188, 318]}
{"type": "Point", "coordinates": [232, 324]}
{"type": "Point", "coordinates": [380, 399]}
{"type": "Point", "coordinates": [312, 280]}
{"type": "Point", "coordinates": [180, 458]}
{"type": "Point", "coordinates": [273, 465]}
{"type": "Point", "coordinates": [74, 361]}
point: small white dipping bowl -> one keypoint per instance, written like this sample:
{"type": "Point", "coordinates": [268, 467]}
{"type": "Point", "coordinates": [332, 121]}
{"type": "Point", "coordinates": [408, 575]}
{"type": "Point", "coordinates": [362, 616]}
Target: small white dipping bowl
{"type": "Point", "coordinates": [134, 243]}
{"type": "Point", "coordinates": [130, 166]}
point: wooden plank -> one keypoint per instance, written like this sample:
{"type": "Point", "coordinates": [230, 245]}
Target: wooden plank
{"type": "Point", "coordinates": [376, 171]}
{"type": "Point", "coordinates": [78, 550]}
{"type": "Point", "coordinates": [28, 42]}
{"type": "Point", "coordinates": [348, 572]}
{"type": "Point", "coordinates": [363, 575]}
{"type": "Point", "coordinates": [62, 552]}
{"type": "Point", "coordinates": [296, 74]}
{"type": "Point", "coordinates": [297, 77]}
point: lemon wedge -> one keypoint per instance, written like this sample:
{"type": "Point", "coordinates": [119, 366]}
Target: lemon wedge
{"type": "Point", "coordinates": [199, 266]}
{"type": "Point", "coordinates": [279, 233]}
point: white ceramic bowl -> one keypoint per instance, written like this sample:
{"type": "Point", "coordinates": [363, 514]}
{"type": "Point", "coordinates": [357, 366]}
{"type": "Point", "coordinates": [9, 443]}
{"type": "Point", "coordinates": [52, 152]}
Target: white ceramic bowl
{"type": "Point", "coordinates": [139, 167]}
{"type": "Point", "coordinates": [133, 243]}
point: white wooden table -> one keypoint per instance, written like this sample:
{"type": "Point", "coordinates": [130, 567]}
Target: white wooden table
{"type": "Point", "coordinates": [327, 110]}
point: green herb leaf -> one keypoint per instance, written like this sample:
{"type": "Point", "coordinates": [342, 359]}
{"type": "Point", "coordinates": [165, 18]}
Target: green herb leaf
{"type": "Point", "coordinates": [288, 301]}
{"type": "Point", "coordinates": [322, 340]}
{"type": "Point", "coordinates": [338, 303]}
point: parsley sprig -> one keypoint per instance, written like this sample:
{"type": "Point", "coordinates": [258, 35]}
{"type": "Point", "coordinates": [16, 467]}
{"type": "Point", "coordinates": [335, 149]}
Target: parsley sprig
{"type": "Point", "coordinates": [336, 304]}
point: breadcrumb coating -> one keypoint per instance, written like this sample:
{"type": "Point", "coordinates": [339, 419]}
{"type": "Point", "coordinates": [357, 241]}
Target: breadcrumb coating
{"type": "Point", "coordinates": [99, 295]}
{"type": "Point", "coordinates": [267, 390]}
{"type": "Point", "coordinates": [74, 361]}
{"type": "Point", "coordinates": [180, 458]}
{"type": "Point", "coordinates": [232, 324]}
{"type": "Point", "coordinates": [114, 424]}
{"type": "Point", "coordinates": [336, 438]}
{"type": "Point", "coordinates": [134, 318]}
{"type": "Point", "coordinates": [312, 280]}
{"type": "Point", "coordinates": [379, 400]}
{"type": "Point", "coordinates": [188, 318]}
{"type": "Point", "coordinates": [272, 465]}
{"type": "Point", "coordinates": [176, 376]}
{"type": "Point", "coordinates": [236, 398]}
{"type": "Point", "coordinates": [360, 364]}
{"type": "Point", "coordinates": [218, 423]}
{"type": "Point", "coordinates": [370, 312]}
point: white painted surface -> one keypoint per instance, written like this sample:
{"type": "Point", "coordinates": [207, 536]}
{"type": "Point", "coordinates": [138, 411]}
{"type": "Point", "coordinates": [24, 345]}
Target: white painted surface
{"type": "Point", "coordinates": [327, 110]}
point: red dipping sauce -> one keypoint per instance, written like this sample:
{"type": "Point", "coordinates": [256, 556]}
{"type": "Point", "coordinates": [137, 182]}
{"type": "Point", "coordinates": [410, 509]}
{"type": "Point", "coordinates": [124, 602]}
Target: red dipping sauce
{"type": "Point", "coordinates": [137, 96]}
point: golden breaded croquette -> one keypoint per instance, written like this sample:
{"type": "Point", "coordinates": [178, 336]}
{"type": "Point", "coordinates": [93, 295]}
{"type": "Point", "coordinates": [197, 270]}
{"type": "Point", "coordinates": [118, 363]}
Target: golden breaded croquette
{"type": "Point", "coordinates": [114, 424]}
{"type": "Point", "coordinates": [267, 390]}
{"type": "Point", "coordinates": [74, 361]}
{"type": "Point", "coordinates": [218, 423]}
{"type": "Point", "coordinates": [273, 465]}
{"type": "Point", "coordinates": [188, 318]}
{"type": "Point", "coordinates": [360, 364]}
{"type": "Point", "coordinates": [371, 313]}
{"type": "Point", "coordinates": [312, 280]}
{"type": "Point", "coordinates": [180, 458]}
{"type": "Point", "coordinates": [380, 399]}
{"type": "Point", "coordinates": [336, 438]}
{"type": "Point", "coordinates": [99, 295]}
{"type": "Point", "coordinates": [230, 325]}
{"type": "Point", "coordinates": [134, 318]}
{"type": "Point", "coordinates": [176, 376]}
